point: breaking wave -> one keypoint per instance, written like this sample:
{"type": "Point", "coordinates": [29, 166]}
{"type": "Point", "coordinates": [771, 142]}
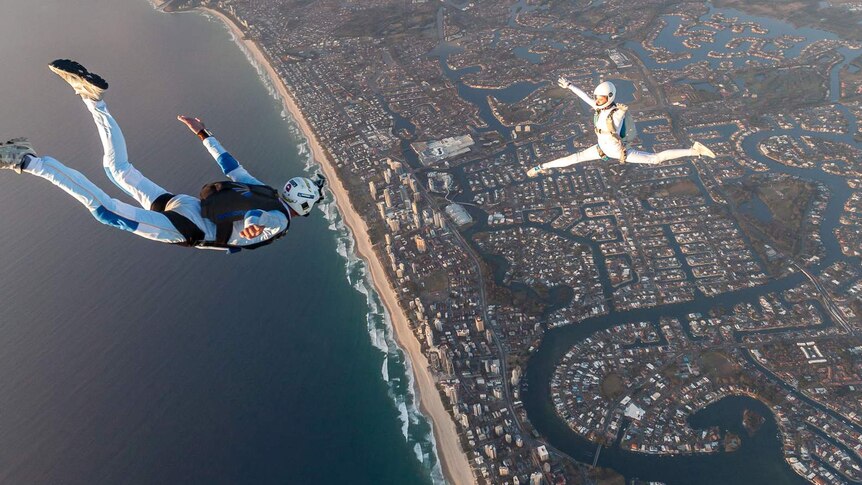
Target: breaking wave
{"type": "Point", "coordinates": [396, 368]}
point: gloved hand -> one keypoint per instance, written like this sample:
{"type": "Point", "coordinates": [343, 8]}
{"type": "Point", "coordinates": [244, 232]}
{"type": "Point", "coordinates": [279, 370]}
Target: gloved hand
{"type": "Point", "coordinates": [535, 171]}
{"type": "Point", "coordinates": [564, 83]}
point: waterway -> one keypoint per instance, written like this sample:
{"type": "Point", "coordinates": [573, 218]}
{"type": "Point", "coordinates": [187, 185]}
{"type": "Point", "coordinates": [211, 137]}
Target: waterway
{"type": "Point", "coordinates": [479, 96]}
{"type": "Point", "coordinates": [776, 27]}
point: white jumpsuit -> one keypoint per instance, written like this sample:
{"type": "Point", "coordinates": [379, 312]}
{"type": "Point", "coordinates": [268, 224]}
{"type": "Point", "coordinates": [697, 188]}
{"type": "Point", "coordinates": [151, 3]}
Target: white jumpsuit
{"type": "Point", "coordinates": [142, 221]}
{"type": "Point", "coordinates": [610, 144]}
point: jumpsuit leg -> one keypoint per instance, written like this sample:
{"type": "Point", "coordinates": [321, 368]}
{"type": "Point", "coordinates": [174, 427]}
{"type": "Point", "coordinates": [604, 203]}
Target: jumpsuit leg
{"type": "Point", "coordinates": [591, 153]}
{"type": "Point", "coordinates": [637, 156]}
{"type": "Point", "coordinates": [116, 158]}
{"type": "Point", "coordinates": [112, 212]}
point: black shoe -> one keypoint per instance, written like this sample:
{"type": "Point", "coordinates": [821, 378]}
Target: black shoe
{"type": "Point", "coordinates": [87, 84]}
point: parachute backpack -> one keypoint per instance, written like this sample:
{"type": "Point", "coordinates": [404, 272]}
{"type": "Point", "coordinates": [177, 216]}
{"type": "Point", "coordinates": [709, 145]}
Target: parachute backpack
{"type": "Point", "coordinates": [628, 129]}
{"type": "Point", "coordinates": [223, 203]}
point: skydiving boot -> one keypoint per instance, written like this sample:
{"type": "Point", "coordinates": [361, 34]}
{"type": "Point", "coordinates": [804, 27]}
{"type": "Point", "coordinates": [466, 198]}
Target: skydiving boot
{"type": "Point", "coordinates": [14, 153]}
{"type": "Point", "coordinates": [87, 84]}
{"type": "Point", "coordinates": [702, 150]}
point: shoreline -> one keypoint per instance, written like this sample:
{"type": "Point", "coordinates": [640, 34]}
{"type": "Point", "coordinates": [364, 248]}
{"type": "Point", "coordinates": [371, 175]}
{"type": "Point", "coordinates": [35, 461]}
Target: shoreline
{"type": "Point", "coordinates": [453, 460]}
{"type": "Point", "coordinates": [158, 4]}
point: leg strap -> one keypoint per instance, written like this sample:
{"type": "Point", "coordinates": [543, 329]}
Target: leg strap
{"type": "Point", "coordinates": [161, 202]}
{"type": "Point", "coordinates": [187, 228]}
{"type": "Point", "coordinates": [601, 153]}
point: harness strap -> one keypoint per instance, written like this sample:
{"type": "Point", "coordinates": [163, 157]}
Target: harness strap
{"type": "Point", "coordinates": [193, 234]}
{"type": "Point", "coordinates": [161, 202]}
{"type": "Point", "coordinates": [609, 121]}
{"type": "Point", "coordinates": [223, 232]}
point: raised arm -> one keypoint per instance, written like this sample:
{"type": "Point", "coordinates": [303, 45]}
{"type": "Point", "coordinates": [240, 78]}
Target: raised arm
{"type": "Point", "coordinates": [565, 84]}
{"type": "Point", "coordinates": [228, 164]}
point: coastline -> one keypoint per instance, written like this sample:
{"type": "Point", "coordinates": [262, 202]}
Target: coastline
{"type": "Point", "coordinates": [453, 460]}
{"type": "Point", "coordinates": [158, 4]}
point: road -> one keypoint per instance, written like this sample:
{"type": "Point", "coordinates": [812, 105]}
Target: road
{"type": "Point", "coordinates": [827, 301]}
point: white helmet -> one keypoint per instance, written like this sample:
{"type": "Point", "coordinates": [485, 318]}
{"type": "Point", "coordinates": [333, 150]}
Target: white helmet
{"type": "Point", "coordinates": [608, 89]}
{"type": "Point", "coordinates": [301, 193]}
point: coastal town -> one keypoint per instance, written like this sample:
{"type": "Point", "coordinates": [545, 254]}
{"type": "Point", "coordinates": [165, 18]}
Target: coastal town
{"type": "Point", "coordinates": [666, 290]}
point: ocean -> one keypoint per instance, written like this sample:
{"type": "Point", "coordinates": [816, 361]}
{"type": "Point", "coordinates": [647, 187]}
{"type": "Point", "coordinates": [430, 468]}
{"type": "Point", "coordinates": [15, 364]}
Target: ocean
{"type": "Point", "coordinates": [128, 361]}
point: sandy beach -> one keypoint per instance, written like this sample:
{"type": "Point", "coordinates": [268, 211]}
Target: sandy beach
{"type": "Point", "coordinates": [454, 462]}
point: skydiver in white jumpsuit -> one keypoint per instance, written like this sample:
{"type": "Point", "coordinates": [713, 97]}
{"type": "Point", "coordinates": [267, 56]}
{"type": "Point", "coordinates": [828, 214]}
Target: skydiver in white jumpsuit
{"type": "Point", "coordinates": [241, 213]}
{"type": "Point", "coordinates": [610, 143]}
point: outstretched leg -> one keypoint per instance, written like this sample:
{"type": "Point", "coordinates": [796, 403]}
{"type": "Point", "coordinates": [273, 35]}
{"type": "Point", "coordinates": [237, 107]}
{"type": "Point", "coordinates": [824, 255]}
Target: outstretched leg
{"type": "Point", "coordinates": [116, 158]}
{"type": "Point", "coordinates": [697, 150]}
{"type": "Point", "coordinates": [144, 223]}
{"type": "Point", "coordinates": [91, 87]}
{"type": "Point", "coordinates": [591, 153]}
{"type": "Point", "coordinates": [637, 156]}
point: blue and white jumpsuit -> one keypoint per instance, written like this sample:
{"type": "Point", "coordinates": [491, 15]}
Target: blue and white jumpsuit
{"type": "Point", "coordinates": [610, 143]}
{"type": "Point", "coordinates": [142, 221]}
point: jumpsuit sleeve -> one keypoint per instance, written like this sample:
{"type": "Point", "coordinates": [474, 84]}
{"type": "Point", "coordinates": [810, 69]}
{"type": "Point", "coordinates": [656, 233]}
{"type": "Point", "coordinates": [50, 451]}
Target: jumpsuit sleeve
{"type": "Point", "coordinates": [273, 222]}
{"type": "Point", "coordinates": [228, 163]}
{"type": "Point", "coordinates": [584, 96]}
